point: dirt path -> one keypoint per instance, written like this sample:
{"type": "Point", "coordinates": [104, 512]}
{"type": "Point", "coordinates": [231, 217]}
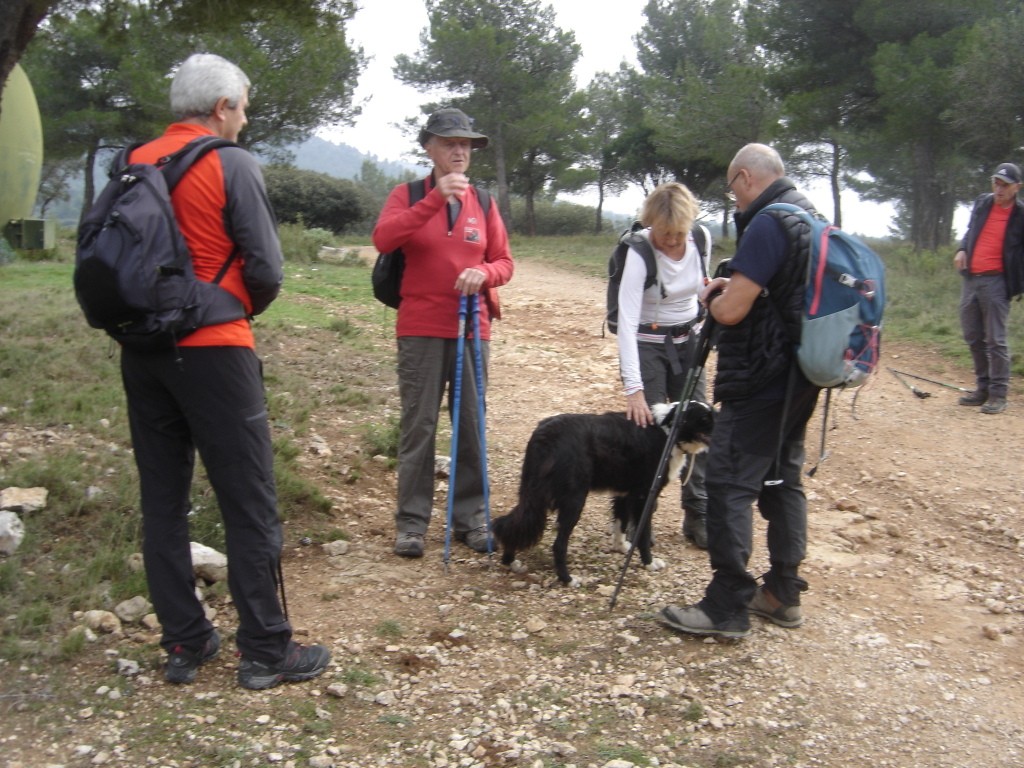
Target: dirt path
{"type": "Point", "coordinates": [910, 655]}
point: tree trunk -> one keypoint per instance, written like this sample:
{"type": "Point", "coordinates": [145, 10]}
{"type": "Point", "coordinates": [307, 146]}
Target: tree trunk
{"type": "Point", "coordinates": [18, 23]}
{"type": "Point", "coordinates": [835, 171]}
{"type": "Point", "coordinates": [931, 221]}
{"type": "Point", "coordinates": [501, 173]}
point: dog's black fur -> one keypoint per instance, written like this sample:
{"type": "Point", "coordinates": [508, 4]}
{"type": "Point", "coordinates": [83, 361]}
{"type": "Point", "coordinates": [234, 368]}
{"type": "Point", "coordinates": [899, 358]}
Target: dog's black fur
{"type": "Point", "coordinates": [571, 454]}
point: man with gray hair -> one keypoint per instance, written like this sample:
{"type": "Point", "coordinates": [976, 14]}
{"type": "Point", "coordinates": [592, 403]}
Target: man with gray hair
{"type": "Point", "coordinates": [991, 260]}
{"type": "Point", "coordinates": [757, 448]}
{"type": "Point", "coordinates": [207, 394]}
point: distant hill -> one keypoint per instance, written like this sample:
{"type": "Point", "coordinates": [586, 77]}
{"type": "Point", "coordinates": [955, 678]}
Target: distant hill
{"type": "Point", "coordinates": [341, 160]}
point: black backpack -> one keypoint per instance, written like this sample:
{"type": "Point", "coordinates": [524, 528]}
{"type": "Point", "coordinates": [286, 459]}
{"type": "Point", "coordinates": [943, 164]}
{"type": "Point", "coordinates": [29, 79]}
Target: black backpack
{"type": "Point", "coordinates": [631, 238]}
{"type": "Point", "coordinates": [389, 267]}
{"type": "Point", "coordinates": [133, 274]}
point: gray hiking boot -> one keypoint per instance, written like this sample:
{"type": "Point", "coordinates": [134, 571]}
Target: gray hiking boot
{"type": "Point", "coordinates": [479, 540]}
{"type": "Point", "coordinates": [765, 605]}
{"type": "Point", "coordinates": [693, 621]}
{"type": "Point", "coordinates": [409, 544]}
{"type": "Point", "coordinates": [977, 397]}
{"type": "Point", "coordinates": [994, 405]}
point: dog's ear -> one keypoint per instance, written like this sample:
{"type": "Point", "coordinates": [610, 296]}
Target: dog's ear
{"type": "Point", "coordinates": [664, 414]}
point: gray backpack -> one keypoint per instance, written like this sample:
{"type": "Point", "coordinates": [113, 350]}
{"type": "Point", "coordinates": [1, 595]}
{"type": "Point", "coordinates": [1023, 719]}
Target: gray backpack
{"type": "Point", "coordinates": [133, 275]}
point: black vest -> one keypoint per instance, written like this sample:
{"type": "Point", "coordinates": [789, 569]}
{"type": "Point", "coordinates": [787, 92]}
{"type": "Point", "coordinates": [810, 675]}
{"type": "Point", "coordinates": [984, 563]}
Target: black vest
{"type": "Point", "coordinates": [760, 348]}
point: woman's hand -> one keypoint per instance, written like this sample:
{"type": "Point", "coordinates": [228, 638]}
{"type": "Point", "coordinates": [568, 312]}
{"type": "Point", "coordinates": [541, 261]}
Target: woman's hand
{"type": "Point", "coordinates": [637, 410]}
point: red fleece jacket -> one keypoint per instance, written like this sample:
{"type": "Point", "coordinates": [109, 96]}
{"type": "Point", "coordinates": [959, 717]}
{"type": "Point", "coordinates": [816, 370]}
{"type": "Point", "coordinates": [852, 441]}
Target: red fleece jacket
{"type": "Point", "coordinates": [435, 256]}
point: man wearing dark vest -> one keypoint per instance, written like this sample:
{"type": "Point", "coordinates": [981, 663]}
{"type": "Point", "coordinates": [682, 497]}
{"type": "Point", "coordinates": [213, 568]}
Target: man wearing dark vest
{"type": "Point", "coordinates": [991, 260]}
{"type": "Point", "coordinates": [757, 448]}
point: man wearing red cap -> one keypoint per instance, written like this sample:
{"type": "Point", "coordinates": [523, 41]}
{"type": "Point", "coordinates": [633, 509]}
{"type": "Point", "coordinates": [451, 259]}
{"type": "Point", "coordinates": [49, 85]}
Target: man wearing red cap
{"type": "Point", "coordinates": [991, 260]}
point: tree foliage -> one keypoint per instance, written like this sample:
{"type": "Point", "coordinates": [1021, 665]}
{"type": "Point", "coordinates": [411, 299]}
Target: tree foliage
{"type": "Point", "coordinates": [101, 72]}
{"type": "Point", "coordinates": [314, 199]}
{"type": "Point", "coordinates": [19, 20]}
{"type": "Point", "coordinates": [508, 61]}
{"type": "Point", "coordinates": [874, 83]}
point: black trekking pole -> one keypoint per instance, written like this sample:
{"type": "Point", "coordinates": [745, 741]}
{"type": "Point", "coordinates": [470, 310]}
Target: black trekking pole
{"type": "Point", "coordinates": [930, 381]}
{"type": "Point", "coordinates": [692, 376]}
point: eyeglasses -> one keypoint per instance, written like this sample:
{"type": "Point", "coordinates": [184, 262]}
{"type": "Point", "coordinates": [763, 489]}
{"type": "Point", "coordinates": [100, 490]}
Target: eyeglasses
{"type": "Point", "coordinates": [728, 187]}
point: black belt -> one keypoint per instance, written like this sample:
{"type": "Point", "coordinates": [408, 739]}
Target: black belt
{"type": "Point", "coordinates": [990, 273]}
{"type": "Point", "coordinates": [680, 329]}
{"type": "Point", "coordinates": [671, 332]}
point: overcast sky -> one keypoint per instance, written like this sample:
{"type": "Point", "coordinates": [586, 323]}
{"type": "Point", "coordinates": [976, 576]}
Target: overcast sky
{"type": "Point", "coordinates": [385, 28]}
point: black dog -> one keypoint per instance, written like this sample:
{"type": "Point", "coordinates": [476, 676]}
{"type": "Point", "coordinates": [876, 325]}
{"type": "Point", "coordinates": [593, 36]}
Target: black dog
{"type": "Point", "coordinates": [571, 454]}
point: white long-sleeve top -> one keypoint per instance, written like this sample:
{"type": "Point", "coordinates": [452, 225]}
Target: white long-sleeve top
{"type": "Point", "coordinates": [682, 281]}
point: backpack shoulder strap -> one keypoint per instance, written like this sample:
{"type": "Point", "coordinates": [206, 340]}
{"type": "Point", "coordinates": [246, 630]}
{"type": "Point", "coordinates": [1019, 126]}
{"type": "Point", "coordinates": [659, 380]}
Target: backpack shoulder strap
{"type": "Point", "coordinates": [642, 245]}
{"type": "Point", "coordinates": [176, 165]}
{"type": "Point", "coordinates": [417, 191]}
{"type": "Point", "coordinates": [485, 200]}
{"type": "Point", "coordinates": [701, 236]}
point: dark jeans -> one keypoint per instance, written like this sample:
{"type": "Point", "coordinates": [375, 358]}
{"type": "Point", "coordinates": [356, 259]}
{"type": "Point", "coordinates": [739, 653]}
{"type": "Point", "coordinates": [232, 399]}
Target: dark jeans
{"type": "Point", "coordinates": [742, 458]}
{"type": "Point", "coordinates": [984, 310]}
{"type": "Point", "coordinates": [211, 400]}
{"type": "Point", "coordinates": [662, 385]}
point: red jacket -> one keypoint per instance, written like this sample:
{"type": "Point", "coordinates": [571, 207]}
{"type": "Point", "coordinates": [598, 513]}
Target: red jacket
{"type": "Point", "coordinates": [435, 256]}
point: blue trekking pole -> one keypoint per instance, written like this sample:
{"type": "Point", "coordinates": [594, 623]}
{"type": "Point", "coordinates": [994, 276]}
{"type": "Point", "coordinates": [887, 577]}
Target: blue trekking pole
{"type": "Point", "coordinates": [460, 346]}
{"type": "Point", "coordinates": [481, 415]}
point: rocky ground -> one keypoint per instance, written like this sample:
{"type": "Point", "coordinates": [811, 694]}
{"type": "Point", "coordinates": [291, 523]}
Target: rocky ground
{"type": "Point", "coordinates": [910, 655]}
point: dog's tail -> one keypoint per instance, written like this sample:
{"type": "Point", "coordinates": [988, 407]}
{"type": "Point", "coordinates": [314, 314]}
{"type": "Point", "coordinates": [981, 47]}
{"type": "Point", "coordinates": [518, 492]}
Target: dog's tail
{"type": "Point", "coordinates": [521, 528]}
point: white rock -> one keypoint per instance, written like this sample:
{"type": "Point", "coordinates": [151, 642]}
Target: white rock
{"type": "Point", "coordinates": [132, 610]}
{"type": "Point", "coordinates": [12, 533]}
{"type": "Point", "coordinates": [208, 563]}
{"type": "Point", "coordinates": [335, 548]}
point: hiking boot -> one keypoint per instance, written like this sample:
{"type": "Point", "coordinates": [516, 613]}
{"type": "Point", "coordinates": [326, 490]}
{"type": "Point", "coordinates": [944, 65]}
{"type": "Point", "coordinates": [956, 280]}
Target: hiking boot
{"type": "Point", "coordinates": [977, 397]}
{"type": "Point", "coordinates": [695, 529]}
{"type": "Point", "coordinates": [765, 605]}
{"type": "Point", "coordinates": [409, 544]}
{"type": "Point", "coordinates": [693, 621]}
{"type": "Point", "coordinates": [995, 405]}
{"type": "Point", "coordinates": [478, 540]}
{"type": "Point", "coordinates": [302, 662]}
{"type": "Point", "coordinates": [182, 663]}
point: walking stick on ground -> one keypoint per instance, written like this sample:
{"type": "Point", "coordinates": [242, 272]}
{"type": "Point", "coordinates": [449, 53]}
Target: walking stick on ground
{"type": "Point", "coordinates": [700, 356]}
{"type": "Point", "coordinates": [481, 416]}
{"type": "Point", "coordinates": [930, 381]}
{"type": "Point", "coordinates": [460, 347]}
{"type": "Point", "coordinates": [917, 392]}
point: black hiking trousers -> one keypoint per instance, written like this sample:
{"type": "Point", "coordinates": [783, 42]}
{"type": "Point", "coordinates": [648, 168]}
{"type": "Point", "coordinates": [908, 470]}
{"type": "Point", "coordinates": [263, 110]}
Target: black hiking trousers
{"type": "Point", "coordinates": [211, 399]}
{"type": "Point", "coordinates": [741, 458]}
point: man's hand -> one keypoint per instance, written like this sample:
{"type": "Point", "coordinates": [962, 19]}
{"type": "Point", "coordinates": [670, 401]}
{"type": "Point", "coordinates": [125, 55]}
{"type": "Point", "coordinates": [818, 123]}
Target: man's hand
{"type": "Point", "coordinates": [470, 281]}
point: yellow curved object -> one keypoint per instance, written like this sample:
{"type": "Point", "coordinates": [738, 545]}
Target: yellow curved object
{"type": "Point", "coordinates": [21, 147]}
